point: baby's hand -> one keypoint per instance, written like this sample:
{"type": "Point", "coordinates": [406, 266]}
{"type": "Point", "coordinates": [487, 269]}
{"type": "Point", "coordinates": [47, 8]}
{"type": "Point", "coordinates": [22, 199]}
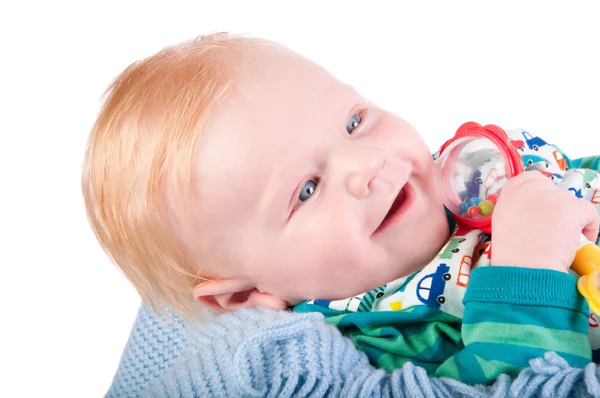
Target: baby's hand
{"type": "Point", "coordinates": [536, 224]}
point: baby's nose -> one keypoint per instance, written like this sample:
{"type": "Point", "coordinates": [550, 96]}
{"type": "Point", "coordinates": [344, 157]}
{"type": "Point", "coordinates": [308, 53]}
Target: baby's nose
{"type": "Point", "coordinates": [364, 166]}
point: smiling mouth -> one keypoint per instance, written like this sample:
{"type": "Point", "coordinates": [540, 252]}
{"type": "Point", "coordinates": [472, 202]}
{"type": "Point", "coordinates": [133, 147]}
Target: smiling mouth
{"type": "Point", "coordinates": [396, 209]}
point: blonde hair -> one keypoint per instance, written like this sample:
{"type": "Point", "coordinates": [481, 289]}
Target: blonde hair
{"type": "Point", "coordinates": [141, 145]}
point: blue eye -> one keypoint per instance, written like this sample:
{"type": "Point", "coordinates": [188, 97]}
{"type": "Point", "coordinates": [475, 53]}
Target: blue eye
{"type": "Point", "coordinates": [353, 123]}
{"type": "Point", "coordinates": [307, 190]}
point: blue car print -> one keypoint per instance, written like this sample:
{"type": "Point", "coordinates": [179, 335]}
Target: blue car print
{"type": "Point", "coordinates": [475, 185]}
{"type": "Point", "coordinates": [534, 143]}
{"type": "Point", "coordinates": [434, 293]}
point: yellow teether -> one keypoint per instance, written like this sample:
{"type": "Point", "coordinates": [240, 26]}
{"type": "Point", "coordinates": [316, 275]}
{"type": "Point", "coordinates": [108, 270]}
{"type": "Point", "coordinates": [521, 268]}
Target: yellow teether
{"type": "Point", "coordinates": [587, 264]}
{"type": "Point", "coordinates": [588, 287]}
{"type": "Point", "coordinates": [587, 258]}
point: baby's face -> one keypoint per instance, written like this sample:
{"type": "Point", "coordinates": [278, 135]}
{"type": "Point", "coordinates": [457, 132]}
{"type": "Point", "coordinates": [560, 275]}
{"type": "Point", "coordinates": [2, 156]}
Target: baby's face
{"type": "Point", "coordinates": [314, 191]}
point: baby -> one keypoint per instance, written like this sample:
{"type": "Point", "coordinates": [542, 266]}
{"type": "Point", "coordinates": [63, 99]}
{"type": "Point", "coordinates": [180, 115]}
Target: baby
{"type": "Point", "coordinates": [233, 172]}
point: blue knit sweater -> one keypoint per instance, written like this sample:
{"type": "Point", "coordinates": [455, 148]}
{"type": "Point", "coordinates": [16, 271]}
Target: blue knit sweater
{"type": "Point", "coordinates": [265, 353]}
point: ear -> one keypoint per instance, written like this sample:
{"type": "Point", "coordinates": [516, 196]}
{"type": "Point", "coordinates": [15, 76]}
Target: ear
{"type": "Point", "coordinates": [231, 294]}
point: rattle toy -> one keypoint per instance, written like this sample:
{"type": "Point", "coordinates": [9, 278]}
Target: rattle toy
{"type": "Point", "coordinates": [474, 166]}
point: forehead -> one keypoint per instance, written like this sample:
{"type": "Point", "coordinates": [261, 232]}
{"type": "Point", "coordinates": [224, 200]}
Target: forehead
{"type": "Point", "coordinates": [270, 117]}
{"type": "Point", "coordinates": [279, 84]}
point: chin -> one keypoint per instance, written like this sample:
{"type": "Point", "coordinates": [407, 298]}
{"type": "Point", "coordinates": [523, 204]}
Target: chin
{"type": "Point", "coordinates": [429, 239]}
{"type": "Point", "coordinates": [435, 238]}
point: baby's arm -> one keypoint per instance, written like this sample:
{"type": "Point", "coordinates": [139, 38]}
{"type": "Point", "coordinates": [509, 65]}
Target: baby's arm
{"type": "Point", "coordinates": [513, 315]}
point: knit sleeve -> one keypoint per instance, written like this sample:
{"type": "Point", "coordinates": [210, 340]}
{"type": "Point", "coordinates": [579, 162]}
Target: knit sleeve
{"type": "Point", "coordinates": [513, 315]}
{"type": "Point", "coordinates": [263, 353]}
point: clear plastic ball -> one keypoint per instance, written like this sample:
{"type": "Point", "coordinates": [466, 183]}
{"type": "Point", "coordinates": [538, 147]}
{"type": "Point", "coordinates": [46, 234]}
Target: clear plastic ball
{"type": "Point", "coordinates": [473, 171]}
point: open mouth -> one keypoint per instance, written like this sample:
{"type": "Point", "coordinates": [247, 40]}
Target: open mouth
{"type": "Point", "coordinates": [396, 205]}
{"type": "Point", "coordinates": [396, 210]}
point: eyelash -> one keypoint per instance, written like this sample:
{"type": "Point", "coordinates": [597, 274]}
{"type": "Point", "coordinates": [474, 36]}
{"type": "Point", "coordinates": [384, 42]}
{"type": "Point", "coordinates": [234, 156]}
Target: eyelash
{"type": "Point", "coordinates": [360, 119]}
{"type": "Point", "coordinates": [297, 194]}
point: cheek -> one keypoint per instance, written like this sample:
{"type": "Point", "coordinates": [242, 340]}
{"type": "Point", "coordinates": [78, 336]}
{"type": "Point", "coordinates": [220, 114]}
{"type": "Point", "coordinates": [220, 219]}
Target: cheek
{"type": "Point", "coordinates": [430, 185]}
{"type": "Point", "coordinates": [405, 139]}
{"type": "Point", "coordinates": [421, 154]}
{"type": "Point", "coordinates": [337, 245]}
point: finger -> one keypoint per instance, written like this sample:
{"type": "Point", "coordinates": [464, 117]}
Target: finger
{"type": "Point", "coordinates": [524, 179]}
{"type": "Point", "coordinates": [534, 176]}
{"type": "Point", "coordinates": [591, 221]}
{"type": "Point", "coordinates": [528, 175]}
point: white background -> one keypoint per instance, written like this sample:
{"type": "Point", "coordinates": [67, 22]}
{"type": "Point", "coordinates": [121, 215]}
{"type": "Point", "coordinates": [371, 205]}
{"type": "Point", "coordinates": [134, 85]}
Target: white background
{"type": "Point", "coordinates": [66, 311]}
